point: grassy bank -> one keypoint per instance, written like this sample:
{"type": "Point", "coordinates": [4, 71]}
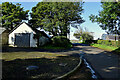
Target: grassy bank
{"type": "Point", "coordinates": [105, 47]}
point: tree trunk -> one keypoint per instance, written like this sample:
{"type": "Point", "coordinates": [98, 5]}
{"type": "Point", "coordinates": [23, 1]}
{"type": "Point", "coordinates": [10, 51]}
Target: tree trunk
{"type": "Point", "coordinates": [11, 26]}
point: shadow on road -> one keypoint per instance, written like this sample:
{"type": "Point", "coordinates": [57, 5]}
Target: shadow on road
{"type": "Point", "coordinates": [105, 63]}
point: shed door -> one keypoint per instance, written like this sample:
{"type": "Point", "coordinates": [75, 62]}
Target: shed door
{"type": "Point", "coordinates": [22, 39]}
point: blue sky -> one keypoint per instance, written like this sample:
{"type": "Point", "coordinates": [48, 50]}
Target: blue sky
{"type": "Point", "coordinates": [89, 8]}
{"type": "Point", "coordinates": [92, 8]}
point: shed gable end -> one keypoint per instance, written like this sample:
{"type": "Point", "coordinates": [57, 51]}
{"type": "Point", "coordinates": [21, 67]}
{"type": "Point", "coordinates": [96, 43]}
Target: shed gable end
{"type": "Point", "coordinates": [23, 28]}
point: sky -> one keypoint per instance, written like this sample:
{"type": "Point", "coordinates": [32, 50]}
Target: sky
{"type": "Point", "coordinates": [92, 8]}
{"type": "Point", "coordinates": [89, 8]}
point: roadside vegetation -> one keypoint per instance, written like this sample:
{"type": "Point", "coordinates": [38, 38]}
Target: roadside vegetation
{"type": "Point", "coordinates": [109, 23]}
{"type": "Point", "coordinates": [58, 42]}
{"type": "Point", "coordinates": [104, 44]}
{"type": "Point", "coordinates": [105, 47]}
{"type": "Point", "coordinates": [83, 34]}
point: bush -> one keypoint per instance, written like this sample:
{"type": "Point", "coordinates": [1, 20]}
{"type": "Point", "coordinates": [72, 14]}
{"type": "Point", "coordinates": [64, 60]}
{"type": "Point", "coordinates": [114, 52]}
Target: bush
{"type": "Point", "coordinates": [61, 41]}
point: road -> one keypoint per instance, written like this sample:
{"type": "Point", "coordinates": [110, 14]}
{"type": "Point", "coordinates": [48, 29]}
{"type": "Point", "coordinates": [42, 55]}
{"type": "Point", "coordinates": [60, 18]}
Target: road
{"type": "Point", "coordinates": [106, 64]}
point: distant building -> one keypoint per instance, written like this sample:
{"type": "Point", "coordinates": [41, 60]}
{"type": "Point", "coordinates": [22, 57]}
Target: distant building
{"type": "Point", "coordinates": [112, 37]}
{"type": "Point", "coordinates": [104, 36]}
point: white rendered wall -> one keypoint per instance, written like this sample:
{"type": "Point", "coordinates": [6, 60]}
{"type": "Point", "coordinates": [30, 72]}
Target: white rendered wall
{"type": "Point", "coordinates": [33, 42]}
{"type": "Point", "coordinates": [23, 28]}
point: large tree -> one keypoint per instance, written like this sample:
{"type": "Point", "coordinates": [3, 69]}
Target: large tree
{"type": "Point", "coordinates": [12, 15]}
{"type": "Point", "coordinates": [109, 17]}
{"type": "Point", "coordinates": [0, 15]}
{"type": "Point", "coordinates": [55, 17]}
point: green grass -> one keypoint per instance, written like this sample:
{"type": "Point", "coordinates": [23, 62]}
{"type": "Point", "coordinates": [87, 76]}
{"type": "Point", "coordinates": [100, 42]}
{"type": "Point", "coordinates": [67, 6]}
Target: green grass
{"type": "Point", "coordinates": [26, 55]}
{"type": "Point", "coordinates": [105, 47]}
{"type": "Point", "coordinates": [14, 65]}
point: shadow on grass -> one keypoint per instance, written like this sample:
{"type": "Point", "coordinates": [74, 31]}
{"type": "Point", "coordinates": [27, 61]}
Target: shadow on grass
{"type": "Point", "coordinates": [16, 49]}
{"type": "Point", "coordinates": [23, 49]}
{"type": "Point", "coordinates": [48, 68]}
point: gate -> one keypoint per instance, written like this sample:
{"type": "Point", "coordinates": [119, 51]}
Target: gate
{"type": "Point", "coordinates": [22, 39]}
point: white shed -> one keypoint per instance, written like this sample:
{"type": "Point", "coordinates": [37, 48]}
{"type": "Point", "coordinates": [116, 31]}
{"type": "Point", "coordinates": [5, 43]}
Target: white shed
{"type": "Point", "coordinates": [23, 36]}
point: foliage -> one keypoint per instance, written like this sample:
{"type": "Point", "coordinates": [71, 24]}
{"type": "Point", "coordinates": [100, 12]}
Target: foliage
{"type": "Point", "coordinates": [79, 32]}
{"type": "Point", "coordinates": [55, 17]}
{"type": "Point", "coordinates": [87, 36]}
{"type": "Point", "coordinates": [81, 38]}
{"type": "Point", "coordinates": [12, 15]}
{"type": "Point", "coordinates": [0, 15]}
{"type": "Point", "coordinates": [83, 34]}
{"type": "Point", "coordinates": [108, 43]}
{"type": "Point", "coordinates": [105, 47]}
{"type": "Point", "coordinates": [109, 17]}
{"type": "Point", "coordinates": [61, 41]}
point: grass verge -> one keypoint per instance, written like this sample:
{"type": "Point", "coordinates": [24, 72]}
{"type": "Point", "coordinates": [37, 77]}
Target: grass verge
{"type": "Point", "coordinates": [105, 47]}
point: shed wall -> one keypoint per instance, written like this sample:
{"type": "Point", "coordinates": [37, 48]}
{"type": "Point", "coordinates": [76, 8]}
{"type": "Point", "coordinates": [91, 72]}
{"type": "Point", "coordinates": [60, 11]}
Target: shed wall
{"type": "Point", "coordinates": [23, 28]}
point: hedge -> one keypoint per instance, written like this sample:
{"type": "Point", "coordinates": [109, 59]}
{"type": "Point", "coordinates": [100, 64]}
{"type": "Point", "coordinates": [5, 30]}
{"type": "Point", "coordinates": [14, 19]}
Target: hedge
{"type": "Point", "coordinates": [103, 42]}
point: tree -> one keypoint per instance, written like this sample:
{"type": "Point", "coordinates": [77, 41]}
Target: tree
{"type": "Point", "coordinates": [12, 15]}
{"type": "Point", "coordinates": [0, 15]}
{"type": "Point", "coordinates": [87, 36]}
{"type": "Point", "coordinates": [83, 34]}
{"type": "Point", "coordinates": [109, 18]}
{"type": "Point", "coordinates": [56, 16]}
